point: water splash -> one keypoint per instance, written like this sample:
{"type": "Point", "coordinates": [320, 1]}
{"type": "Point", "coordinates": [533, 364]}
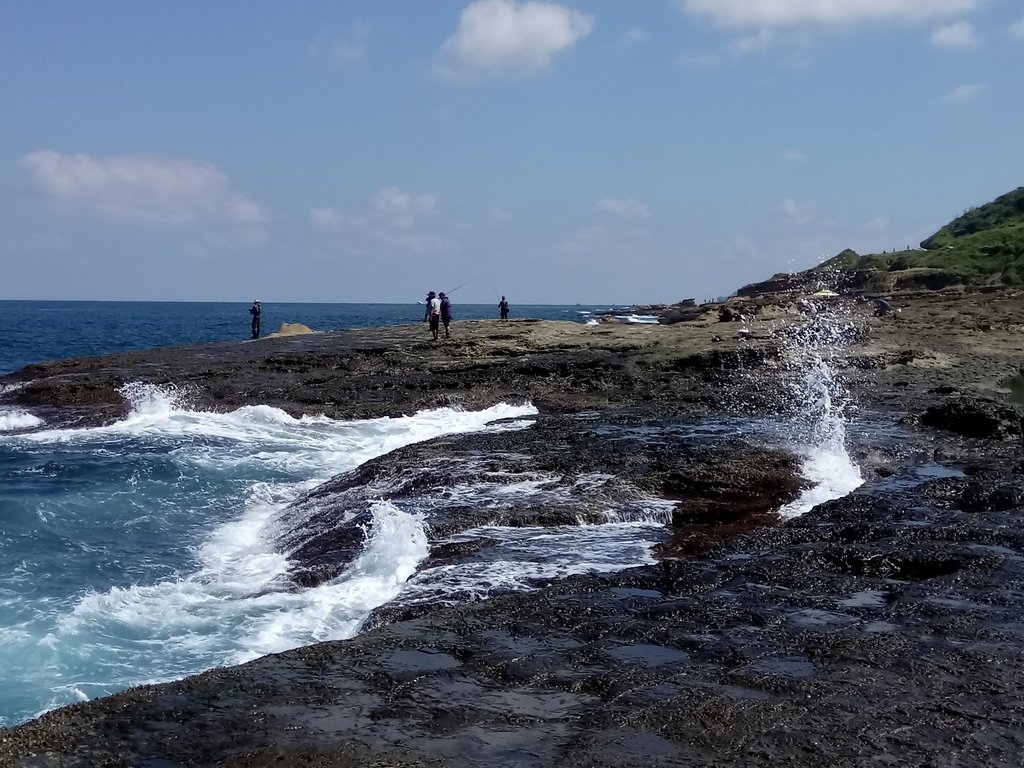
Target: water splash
{"type": "Point", "coordinates": [11, 420]}
{"type": "Point", "coordinates": [821, 403]}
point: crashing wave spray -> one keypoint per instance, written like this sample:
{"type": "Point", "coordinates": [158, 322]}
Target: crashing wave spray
{"type": "Point", "coordinates": [822, 401]}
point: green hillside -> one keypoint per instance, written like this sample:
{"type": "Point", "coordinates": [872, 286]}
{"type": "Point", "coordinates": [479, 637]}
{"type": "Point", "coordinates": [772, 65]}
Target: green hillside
{"type": "Point", "coordinates": [984, 246]}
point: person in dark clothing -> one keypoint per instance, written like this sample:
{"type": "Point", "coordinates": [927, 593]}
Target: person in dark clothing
{"type": "Point", "coordinates": [256, 311]}
{"type": "Point", "coordinates": [426, 314]}
{"type": "Point", "coordinates": [446, 313]}
{"type": "Point", "coordinates": [503, 308]}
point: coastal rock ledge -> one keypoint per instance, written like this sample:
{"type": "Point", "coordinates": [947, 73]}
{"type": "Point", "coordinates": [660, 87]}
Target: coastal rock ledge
{"type": "Point", "coordinates": [880, 628]}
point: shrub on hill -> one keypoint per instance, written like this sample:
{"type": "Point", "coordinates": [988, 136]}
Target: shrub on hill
{"type": "Point", "coordinates": [984, 246]}
{"type": "Point", "coordinates": [1005, 211]}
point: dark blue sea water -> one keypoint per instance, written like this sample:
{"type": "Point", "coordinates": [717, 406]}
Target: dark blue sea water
{"type": "Point", "coordinates": [37, 331]}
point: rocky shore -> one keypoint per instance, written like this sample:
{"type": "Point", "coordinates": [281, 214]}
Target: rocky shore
{"type": "Point", "coordinates": [882, 628]}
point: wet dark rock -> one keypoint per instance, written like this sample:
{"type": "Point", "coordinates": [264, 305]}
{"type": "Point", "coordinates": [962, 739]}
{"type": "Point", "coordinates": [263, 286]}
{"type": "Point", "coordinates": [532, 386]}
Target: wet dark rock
{"type": "Point", "coordinates": [570, 469]}
{"type": "Point", "coordinates": [798, 643]}
{"type": "Point", "coordinates": [986, 497]}
{"type": "Point", "coordinates": [369, 373]}
{"type": "Point", "coordinates": [759, 482]}
{"type": "Point", "coordinates": [323, 549]}
{"type": "Point", "coordinates": [974, 417]}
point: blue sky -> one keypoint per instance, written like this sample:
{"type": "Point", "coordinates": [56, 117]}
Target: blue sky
{"type": "Point", "coordinates": [590, 151]}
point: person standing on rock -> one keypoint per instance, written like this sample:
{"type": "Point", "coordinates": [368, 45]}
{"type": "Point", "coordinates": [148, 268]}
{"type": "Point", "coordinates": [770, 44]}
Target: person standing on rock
{"type": "Point", "coordinates": [446, 313]}
{"type": "Point", "coordinates": [426, 313]}
{"type": "Point", "coordinates": [257, 312]}
{"type": "Point", "coordinates": [434, 314]}
{"type": "Point", "coordinates": [503, 308]}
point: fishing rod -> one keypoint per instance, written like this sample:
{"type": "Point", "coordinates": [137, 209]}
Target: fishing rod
{"type": "Point", "coordinates": [453, 290]}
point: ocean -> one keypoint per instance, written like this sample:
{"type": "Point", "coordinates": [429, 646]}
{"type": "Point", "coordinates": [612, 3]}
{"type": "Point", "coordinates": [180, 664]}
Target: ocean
{"type": "Point", "coordinates": [142, 551]}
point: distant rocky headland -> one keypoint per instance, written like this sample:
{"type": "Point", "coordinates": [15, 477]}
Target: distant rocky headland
{"type": "Point", "coordinates": [880, 628]}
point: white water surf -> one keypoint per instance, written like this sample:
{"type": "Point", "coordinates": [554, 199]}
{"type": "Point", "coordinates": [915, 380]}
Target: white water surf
{"type": "Point", "coordinates": [229, 601]}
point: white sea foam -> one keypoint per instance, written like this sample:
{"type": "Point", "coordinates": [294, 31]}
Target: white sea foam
{"type": "Point", "coordinates": [232, 601]}
{"type": "Point", "coordinates": [637, 319]}
{"type": "Point", "coordinates": [14, 419]}
{"type": "Point", "coordinates": [230, 612]}
{"type": "Point", "coordinates": [523, 556]}
{"type": "Point", "coordinates": [160, 412]}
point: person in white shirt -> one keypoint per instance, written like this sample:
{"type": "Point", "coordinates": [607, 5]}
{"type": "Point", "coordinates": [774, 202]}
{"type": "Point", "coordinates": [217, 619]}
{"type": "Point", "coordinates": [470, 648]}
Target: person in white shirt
{"type": "Point", "coordinates": [434, 309]}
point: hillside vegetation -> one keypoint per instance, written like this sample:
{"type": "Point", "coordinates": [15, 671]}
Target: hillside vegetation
{"type": "Point", "coordinates": [984, 246]}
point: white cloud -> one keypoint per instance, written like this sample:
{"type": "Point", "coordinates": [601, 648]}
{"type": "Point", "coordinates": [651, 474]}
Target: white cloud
{"type": "Point", "coordinates": [141, 188]}
{"type": "Point", "coordinates": [959, 34]}
{"type": "Point", "coordinates": [879, 222]}
{"type": "Point", "coordinates": [634, 36]}
{"type": "Point", "coordinates": [761, 40]}
{"type": "Point", "coordinates": [622, 249]}
{"type": "Point", "coordinates": [965, 94]}
{"type": "Point", "coordinates": [344, 52]}
{"type": "Point", "coordinates": [586, 239]}
{"type": "Point", "coordinates": [401, 209]}
{"type": "Point", "coordinates": [798, 213]}
{"type": "Point", "coordinates": [1017, 29]}
{"type": "Point", "coordinates": [504, 37]}
{"type": "Point", "coordinates": [795, 156]}
{"type": "Point", "coordinates": [703, 60]}
{"type": "Point", "coordinates": [393, 219]}
{"type": "Point", "coordinates": [774, 13]}
{"type": "Point", "coordinates": [626, 209]}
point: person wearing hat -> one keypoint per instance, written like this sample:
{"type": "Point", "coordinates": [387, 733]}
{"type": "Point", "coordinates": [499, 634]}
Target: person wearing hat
{"type": "Point", "coordinates": [446, 313]}
{"type": "Point", "coordinates": [426, 314]}
{"type": "Point", "coordinates": [256, 311]}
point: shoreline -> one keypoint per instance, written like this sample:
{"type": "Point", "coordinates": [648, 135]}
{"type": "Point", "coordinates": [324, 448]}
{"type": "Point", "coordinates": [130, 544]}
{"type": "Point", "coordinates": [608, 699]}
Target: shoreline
{"type": "Point", "coordinates": [818, 640]}
{"type": "Point", "coordinates": [392, 370]}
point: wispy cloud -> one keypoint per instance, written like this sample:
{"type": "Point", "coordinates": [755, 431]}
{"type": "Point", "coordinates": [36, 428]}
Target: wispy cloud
{"type": "Point", "coordinates": [798, 213]}
{"type": "Point", "coordinates": [141, 188]}
{"type": "Point", "coordinates": [393, 218]}
{"type": "Point", "coordinates": [343, 52]}
{"type": "Point", "coordinates": [959, 34]}
{"type": "Point", "coordinates": [607, 242]}
{"type": "Point", "coordinates": [795, 156]}
{"type": "Point", "coordinates": [777, 13]}
{"type": "Point", "coordinates": [965, 94]}
{"type": "Point", "coordinates": [1017, 29]}
{"type": "Point", "coordinates": [401, 208]}
{"type": "Point", "coordinates": [703, 60]}
{"type": "Point", "coordinates": [624, 208]}
{"type": "Point", "coordinates": [761, 40]}
{"type": "Point", "coordinates": [504, 37]}
{"type": "Point", "coordinates": [634, 36]}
